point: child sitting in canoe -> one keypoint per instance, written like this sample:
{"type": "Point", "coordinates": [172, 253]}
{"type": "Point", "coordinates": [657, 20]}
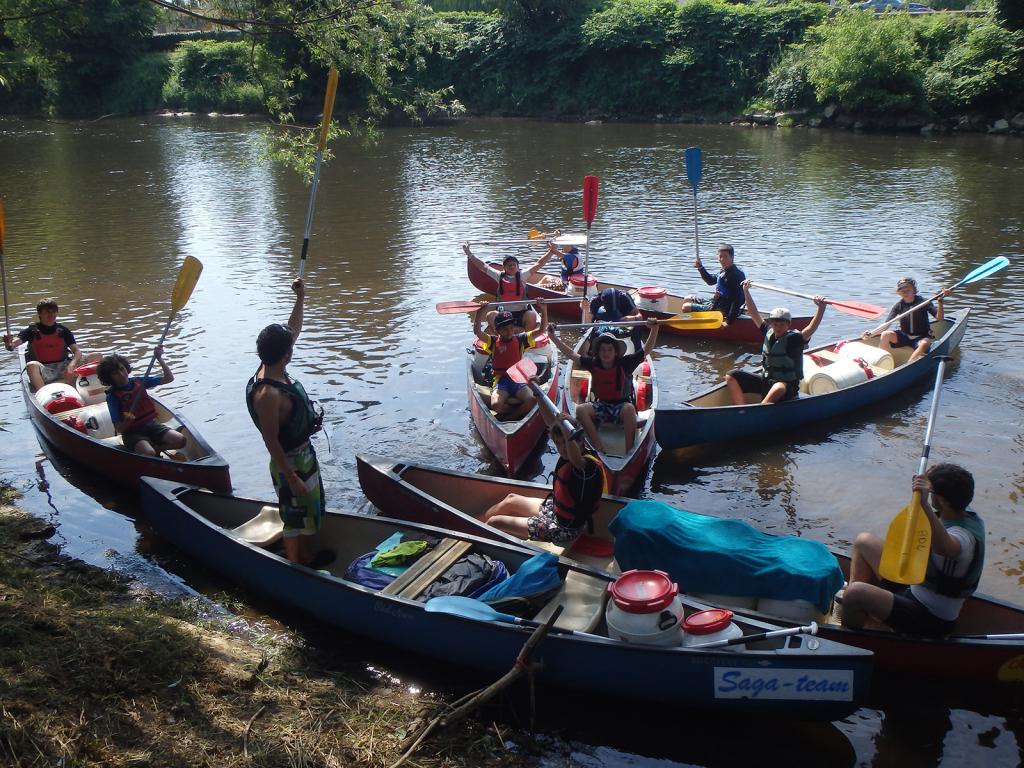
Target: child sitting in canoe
{"type": "Point", "coordinates": [611, 376]}
{"type": "Point", "coordinates": [954, 564]}
{"type": "Point", "coordinates": [132, 411]}
{"type": "Point", "coordinates": [915, 329]}
{"type": "Point", "coordinates": [576, 492]}
{"type": "Point", "coordinates": [52, 352]}
{"type": "Point", "coordinates": [509, 400]}
{"type": "Point", "coordinates": [512, 286]}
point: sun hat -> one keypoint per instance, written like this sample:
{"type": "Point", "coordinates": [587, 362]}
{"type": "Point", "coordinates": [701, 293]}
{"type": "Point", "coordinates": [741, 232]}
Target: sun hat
{"type": "Point", "coordinates": [619, 344]}
{"type": "Point", "coordinates": [780, 313]}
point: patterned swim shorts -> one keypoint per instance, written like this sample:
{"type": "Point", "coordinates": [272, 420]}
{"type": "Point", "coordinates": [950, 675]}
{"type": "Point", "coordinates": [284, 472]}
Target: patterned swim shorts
{"type": "Point", "coordinates": [301, 514]}
{"type": "Point", "coordinates": [544, 526]}
{"type": "Point", "coordinates": [607, 413]}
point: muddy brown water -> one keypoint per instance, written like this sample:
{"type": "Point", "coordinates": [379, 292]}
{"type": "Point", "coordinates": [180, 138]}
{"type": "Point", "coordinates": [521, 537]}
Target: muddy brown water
{"type": "Point", "coordinates": [101, 214]}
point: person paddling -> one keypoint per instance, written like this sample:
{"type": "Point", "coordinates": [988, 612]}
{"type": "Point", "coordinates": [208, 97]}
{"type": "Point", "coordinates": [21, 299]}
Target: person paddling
{"type": "Point", "coordinates": [509, 400]}
{"type": "Point", "coordinates": [915, 329]}
{"type": "Point", "coordinates": [52, 353]}
{"type": "Point", "coordinates": [286, 418]}
{"type": "Point", "coordinates": [611, 373]}
{"type": "Point", "coordinates": [954, 566]}
{"type": "Point", "coordinates": [728, 298]}
{"type": "Point", "coordinates": [782, 353]}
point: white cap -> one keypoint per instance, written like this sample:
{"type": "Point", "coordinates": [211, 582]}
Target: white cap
{"type": "Point", "coordinates": [780, 313]}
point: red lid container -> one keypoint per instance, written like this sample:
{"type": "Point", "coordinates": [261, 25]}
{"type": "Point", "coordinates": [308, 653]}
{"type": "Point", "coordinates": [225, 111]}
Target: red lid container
{"type": "Point", "coordinates": [86, 370]}
{"type": "Point", "coordinates": [643, 591]}
{"type": "Point", "coordinates": [651, 292]}
{"type": "Point", "coordinates": [540, 340]}
{"type": "Point", "coordinates": [707, 622]}
{"type": "Point", "coordinates": [62, 403]}
{"type": "Point", "coordinates": [578, 280]}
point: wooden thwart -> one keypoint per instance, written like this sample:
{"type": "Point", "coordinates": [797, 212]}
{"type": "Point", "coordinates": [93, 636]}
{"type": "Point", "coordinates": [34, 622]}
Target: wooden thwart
{"type": "Point", "coordinates": [427, 569]}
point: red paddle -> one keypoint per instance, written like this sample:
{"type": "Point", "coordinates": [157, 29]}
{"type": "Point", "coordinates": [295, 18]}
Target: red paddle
{"type": "Point", "coordinates": [523, 371]}
{"type": "Point", "coordinates": [589, 212]}
{"type": "Point", "coordinates": [855, 308]}
{"type": "Point", "coordinates": [460, 307]}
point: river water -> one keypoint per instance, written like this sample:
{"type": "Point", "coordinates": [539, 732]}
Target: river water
{"type": "Point", "coordinates": [100, 215]}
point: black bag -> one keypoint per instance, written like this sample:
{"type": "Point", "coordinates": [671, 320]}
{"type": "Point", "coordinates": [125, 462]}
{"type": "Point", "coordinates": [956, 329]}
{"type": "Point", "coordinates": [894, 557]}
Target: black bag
{"type": "Point", "coordinates": [468, 576]}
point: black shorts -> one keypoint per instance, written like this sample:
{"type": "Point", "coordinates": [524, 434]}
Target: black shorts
{"type": "Point", "coordinates": [756, 384]}
{"type": "Point", "coordinates": [903, 340]}
{"type": "Point", "coordinates": [153, 433]}
{"type": "Point", "coordinates": [910, 617]}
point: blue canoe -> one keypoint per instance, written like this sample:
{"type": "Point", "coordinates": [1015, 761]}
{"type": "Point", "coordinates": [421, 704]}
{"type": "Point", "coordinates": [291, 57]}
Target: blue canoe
{"type": "Point", "coordinates": [798, 675]}
{"type": "Point", "coordinates": [710, 416]}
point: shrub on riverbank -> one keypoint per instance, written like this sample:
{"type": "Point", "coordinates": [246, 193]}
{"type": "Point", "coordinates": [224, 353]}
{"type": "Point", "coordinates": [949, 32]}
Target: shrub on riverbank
{"type": "Point", "coordinates": [226, 76]}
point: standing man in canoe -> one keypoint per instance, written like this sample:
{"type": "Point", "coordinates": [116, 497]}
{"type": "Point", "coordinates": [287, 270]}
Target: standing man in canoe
{"type": "Point", "coordinates": [512, 286]}
{"type": "Point", "coordinates": [52, 352]}
{"type": "Point", "coordinates": [575, 496]}
{"type": "Point", "coordinates": [284, 415]}
{"type": "Point", "coordinates": [728, 298]}
{"type": "Point", "coordinates": [954, 565]}
{"type": "Point", "coordinates": [782, 364]}
{"type": "Point", "coordinates": [509, 400]}
{"type": "Point", "coordinates": [915, 329]}
{"type": "Point", "coordinates": [611, 374]}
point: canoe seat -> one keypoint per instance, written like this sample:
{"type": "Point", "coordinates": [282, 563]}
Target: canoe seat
{"type": "Point", "coordinates": [425, 571]}
{"type": "Point", "coordinates": [264, 530]}
{"type": "Point", "coordinates": [583, 596]}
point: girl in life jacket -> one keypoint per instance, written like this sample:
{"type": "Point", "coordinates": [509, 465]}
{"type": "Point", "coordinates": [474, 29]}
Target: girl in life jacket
{"type": "Point", "coordinates": [578, 485]}
{"type": "Point", "coordinates": [513, 286]}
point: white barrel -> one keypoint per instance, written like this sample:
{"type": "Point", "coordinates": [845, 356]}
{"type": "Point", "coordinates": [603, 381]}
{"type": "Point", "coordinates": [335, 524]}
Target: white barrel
{"type": "Point", "coordinates": [97, 421]}
{"type": "Point", "coordinates": [711, 626]}
{"type": "Point", "coordinates": [87, 382]}
{"type": "Point", "coordinates": [796, 610]}
{"type": "Point", "coordinates": [661, 627]}
{"type": "Point", "coordinates": [651, 298]}
{"type": "Point", "coordinates": [837, 375]}
{"type": "Point", "coordinates": [871, 355]}
{"type": "Point", "coordinates": [576, 283]}
{"type": "Point", "coordinates": [58, 397]}
{"type": "Point", "coordinates": [810, 369]}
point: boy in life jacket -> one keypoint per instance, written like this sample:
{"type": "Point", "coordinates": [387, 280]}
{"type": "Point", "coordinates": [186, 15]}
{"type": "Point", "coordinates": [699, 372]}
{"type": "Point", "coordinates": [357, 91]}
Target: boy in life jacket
{"type": "Point", "coordinates": [132, 412]}
{"type": "Point", "coordinates": [728, 298]}
{"type": "Point", "coordinates": [570, 264]}
{"type": "Point", "coordinates": [52, 352]}
{"type": "Point", "coordinates": [782, 364]}
{"type": "Point", "coordinates": [578, 484]}
{"type": "Point", "coordinates": [915, 329]}
{"type": "Point", "coordinates": [611, 376]}
{"type": "Point", "coordinates": [513, 286]}
{"type": "Point", "coordinates": [286, 418]}
{"type": "Point", "coordinates": [954, 565]}
{"type": "Point", "coordinates": [509, 400]}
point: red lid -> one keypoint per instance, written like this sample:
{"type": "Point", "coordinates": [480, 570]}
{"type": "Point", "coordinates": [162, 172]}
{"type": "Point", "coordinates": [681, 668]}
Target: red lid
{"type": "Point", "coordinates": [62, 403]}
{"type": "Point", "coordinates": [578, 280]}
{"type": "Point", "coordinates": [643, 591]}
{"type": "Point", "coordinates": [540, 340]}
{"type": "Point", "coordinates": [707, 622]}
{"type": "Point", "coordinates": [650, 292]}
{"type": "Point", "coordinates": [86, 370]}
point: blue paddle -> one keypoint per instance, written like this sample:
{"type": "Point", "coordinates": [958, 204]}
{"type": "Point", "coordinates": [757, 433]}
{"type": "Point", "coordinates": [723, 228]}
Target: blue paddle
{"type": "Point", "coordinates": [693, 171]}
{"type": "Point", "coordinates": [469, 608]}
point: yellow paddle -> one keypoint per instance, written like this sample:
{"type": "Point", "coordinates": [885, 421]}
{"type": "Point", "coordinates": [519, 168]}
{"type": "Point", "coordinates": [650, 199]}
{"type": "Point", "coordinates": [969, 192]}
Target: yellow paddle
{"type": "Point", "coordinates": [325, 126]}
{"type": "Point", "coordinates": [186, 283]}
{"type": "Point", "coordinates": [908, 543]}
{"type": "Point", "coordinates": [694, 321]}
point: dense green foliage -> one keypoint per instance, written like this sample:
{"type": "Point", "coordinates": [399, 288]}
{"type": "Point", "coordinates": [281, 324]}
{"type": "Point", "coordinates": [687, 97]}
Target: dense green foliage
{"type": "Point", "coordinates": [234, 76]}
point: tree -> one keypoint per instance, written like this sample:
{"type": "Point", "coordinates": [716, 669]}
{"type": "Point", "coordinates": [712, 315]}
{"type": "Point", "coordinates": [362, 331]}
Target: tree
{"type": "Point", "coordinates": [1010, 13]}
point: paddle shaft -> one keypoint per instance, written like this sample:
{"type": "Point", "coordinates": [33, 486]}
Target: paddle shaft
{"type": "Point", "coordinates": [332, 87]}
{"type": "Point", "coordinates": [680, 320]}
{"type": "Point", "coordinates": [551, 408]}
{"type": "Point", "coordinates": [152, 360]}
{"type": "Point", "coordinates": [810, 629]}
{"type": "Point", "coordinates": [859, 309]}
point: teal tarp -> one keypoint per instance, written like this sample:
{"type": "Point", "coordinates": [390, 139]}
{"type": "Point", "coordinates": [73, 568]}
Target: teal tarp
{"type": "Point", "coordinates": [725, 557]}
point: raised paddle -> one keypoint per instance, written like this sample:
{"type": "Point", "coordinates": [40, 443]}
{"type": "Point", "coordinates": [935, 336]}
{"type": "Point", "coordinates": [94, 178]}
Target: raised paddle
{"type": "Point", "coordinates": [990, 267]}
{"type": "Point", "coordinates": [183, 287]}
{"type": "Point", "coordinates": [459, 307]}
{"type": "Point", "coordinates": [855, 308]}
{"type": "Point", "coordinates": [523, 371]}
{"type": "Point", "coordinates": [589, 212]}
{"type": "Point", "coordinates": [694, 321]}
{"type": "Point", "coordinates": [3, 269]}
{"type": "Point", "coordinates": [325, 125]}
{"type": "Point", "coordinates": [558, 240]}
{"type": "Point", "coordinates": [908, 543]}
{"type": "Point", "coordinates": [694, 168]}
{"type": "Point", "coordinates": [810, 629]}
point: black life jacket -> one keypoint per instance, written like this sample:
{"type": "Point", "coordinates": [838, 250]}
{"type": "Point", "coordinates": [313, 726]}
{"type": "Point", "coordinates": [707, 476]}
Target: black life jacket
{"type": "Point", "coordinates": [303, 421]}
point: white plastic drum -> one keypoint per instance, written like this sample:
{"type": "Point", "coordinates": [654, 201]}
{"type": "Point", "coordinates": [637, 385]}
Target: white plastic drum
{"type": "Point", "coordinates": [97, 421]}
{"type": "Point", "coordinates": [871, 355]}
{"type": "Point", "coordinates": [58, 397]}
{"type": "Point", "coordinates": [650, 298]}
{"type": "Point", "coordinates": [711, 626]}
{"type": "Point", "coordinates": [837, 375]}
{"type": "Point", "coordinates": [576, 283]}
{"type": "Point", "coordinates": [644, 608]}
{"type": "Point", "coordinates": [87, 382]}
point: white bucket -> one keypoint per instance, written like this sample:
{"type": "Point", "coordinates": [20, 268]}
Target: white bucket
{"type": "Point", "coordinates": [837, 375]}
{"type": "Point", "coordinates": [575, 287]}
{"type": "Point", "coordinates": [795, 610]}
{"type": "Point", "coordinates": [651, 298]}
{"type": "Point", "coordinates": [97, 421]}
{"type": "Point", "coordinates": [696, 628]}
{"type": "Point", "coordinates": [663, 627]}
{"type": "Point", "coordinates": [871, 355]}
{"type": "Point", "coordinates": [87, 382]}
{"type": "Point", "coordinates": [58, 397]}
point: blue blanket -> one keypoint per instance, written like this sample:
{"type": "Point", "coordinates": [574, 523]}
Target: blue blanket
{"type": "Point", "coordinates": [725, 557]}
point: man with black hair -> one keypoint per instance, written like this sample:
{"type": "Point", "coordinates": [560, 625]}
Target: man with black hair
{"type": "Point", "coordinates": [954, 565]}
{"type": "Point", "coordinates": [52, 352]}
{"type": "Point", "coordinates": [286, 418]}
{"type": "Point", "coordinates": [728, 298]}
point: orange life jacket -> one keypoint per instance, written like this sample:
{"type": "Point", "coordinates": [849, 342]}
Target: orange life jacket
{"type": "Point", "coordinates": [575, 497]}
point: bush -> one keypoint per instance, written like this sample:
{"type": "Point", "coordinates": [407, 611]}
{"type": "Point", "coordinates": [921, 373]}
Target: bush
{"type": "Point", "coordinates": [228, 76]}
{"type": "Point", "coordinates": [868, 64]}
{"type": "Point", "coordinates": [788, 85]}
{"type": "Point", "coordinates": [983, 72]}
{"type": "Point", "coordinates": [138, 88]}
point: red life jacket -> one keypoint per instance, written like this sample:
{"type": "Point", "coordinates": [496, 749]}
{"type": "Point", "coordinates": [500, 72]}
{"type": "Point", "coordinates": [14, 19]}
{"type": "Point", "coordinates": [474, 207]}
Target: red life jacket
{"type": "Point", "coordinates": [505, 354]}
{"type": "Point", "coordinates": [145, 409]}
{"type": "Point", "coordinates": [575, 498]}
{"type": "Point", "coordinates": [47, 347]}
{"type": "Point", "coordinates": [507, 291]}
{"type": "Point", "coordinates": [610, 384]}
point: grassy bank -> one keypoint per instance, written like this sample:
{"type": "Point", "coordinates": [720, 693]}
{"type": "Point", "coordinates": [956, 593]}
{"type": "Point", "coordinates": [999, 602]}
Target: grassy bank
{"type": "Point", "coordinates": [94, 673]}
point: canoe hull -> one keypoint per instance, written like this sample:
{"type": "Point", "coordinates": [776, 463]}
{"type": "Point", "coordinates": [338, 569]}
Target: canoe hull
{"type": "Point", "coordinates": [484, 277]}
{"type": "Point", "coordinates": [693, 425]}
{"type": "Point", "coordinates": [716, 680]}
{"type": "Point", "coordinates": [405, 490]}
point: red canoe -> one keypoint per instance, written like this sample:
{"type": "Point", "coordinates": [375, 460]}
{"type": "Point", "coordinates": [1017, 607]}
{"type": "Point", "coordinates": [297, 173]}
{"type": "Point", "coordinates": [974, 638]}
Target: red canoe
{"type": "Point", "coordinates": [743, 331]}
{"type": "Point", "coordinates": [450, 499]}
{"type": "Point", "coordinates": [104, 453]}
{"type": "Point", "coordinates": [511, 442]}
